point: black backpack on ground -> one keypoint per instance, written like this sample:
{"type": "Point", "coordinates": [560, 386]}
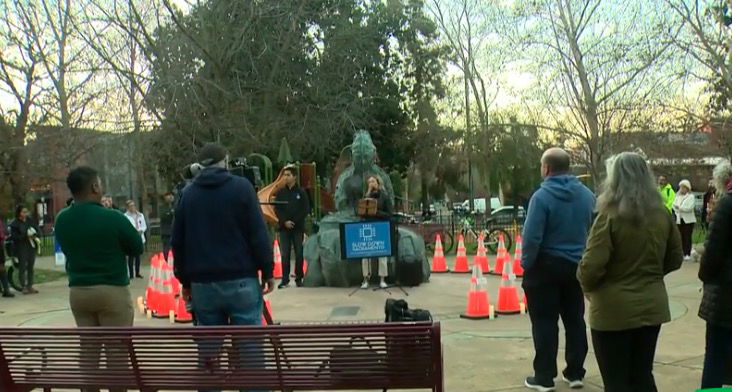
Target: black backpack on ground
{"type": "Point", "coordinates": [397, 310]}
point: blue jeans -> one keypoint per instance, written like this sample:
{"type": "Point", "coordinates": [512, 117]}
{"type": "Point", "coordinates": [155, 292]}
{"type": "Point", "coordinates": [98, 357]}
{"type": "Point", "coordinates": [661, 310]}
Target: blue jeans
{"type": "Point", "coordinates": [232, 302]}
{"type": "Point", "coordinates": [718, 356]}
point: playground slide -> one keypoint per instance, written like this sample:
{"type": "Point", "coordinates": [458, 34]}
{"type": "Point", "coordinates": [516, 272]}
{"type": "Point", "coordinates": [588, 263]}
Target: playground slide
{"type": "Point", "coordinates": [267, 194]}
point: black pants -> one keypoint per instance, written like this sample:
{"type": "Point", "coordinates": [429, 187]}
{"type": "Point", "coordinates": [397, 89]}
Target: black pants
{"type": "Point", "coordinates": [552, 290]}
{"type": "Point", "coordinates": [686, 230]}
{"type": "Point", "coordinates": [291, 239]}
{"type": "Point", "coordinates": [133, 261]}
{"type": "Point", "coordinates": [625, 358]}
{"type": "Point", "coordinates": [718, 357]}
{"type": "Point", "coordinates": [26, 264]}
{"type": "Point", "coordinates": [165, 239]}
{"type": "Point", "coordinates": [4, 284]}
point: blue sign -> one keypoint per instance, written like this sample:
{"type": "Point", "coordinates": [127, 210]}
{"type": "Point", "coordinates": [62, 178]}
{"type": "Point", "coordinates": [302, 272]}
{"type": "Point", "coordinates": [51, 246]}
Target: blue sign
{"type": "Point", "coordinates": [366, 239]}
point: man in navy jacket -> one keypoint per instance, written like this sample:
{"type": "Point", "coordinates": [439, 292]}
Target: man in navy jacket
{"type": "Point", "coordinates": [220, 244]}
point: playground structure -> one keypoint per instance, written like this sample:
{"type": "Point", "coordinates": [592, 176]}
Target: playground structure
{"type": "Point", "coordinates": [321, 201]}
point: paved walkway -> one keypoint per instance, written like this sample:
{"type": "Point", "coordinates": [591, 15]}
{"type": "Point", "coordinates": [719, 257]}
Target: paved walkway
{"type": "Point", "coordinates": [480, 356]}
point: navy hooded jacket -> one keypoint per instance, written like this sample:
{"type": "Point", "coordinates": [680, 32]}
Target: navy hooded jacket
{"type": "Point", "coordinates": [558, 220]}
{"type": "Point", "coordinates": [219, 232]}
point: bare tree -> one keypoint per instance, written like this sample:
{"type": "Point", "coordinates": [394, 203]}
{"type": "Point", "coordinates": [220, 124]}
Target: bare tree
{"type": "Point", "coordinates": [464, 24]}
{"type": "Point", "coordinates": [599, 66]}
{"type": "Point", "coordinates": [117, 32]}
{"type": "Point", "coordinates": [706, 38]}
{"type": "Point", "coordinates": [20, 82]}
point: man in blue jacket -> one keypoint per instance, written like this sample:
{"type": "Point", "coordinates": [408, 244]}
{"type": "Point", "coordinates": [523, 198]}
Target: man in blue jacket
{"type": "Point", "coordinates": [557, 224]}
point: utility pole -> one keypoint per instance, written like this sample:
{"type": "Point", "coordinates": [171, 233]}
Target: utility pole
{"type": "Point", "coordinates": [469, 146]}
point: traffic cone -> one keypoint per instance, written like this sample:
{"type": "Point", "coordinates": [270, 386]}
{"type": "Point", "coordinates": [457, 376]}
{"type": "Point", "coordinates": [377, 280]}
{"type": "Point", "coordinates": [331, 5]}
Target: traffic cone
{"type": "Point", "coordinates": [501, 256]}
{"type": "Point", "coordinates": [277, 274]}
{"type": "Point", "coordinates": [508, 299]}
{"type": "Point", "coordinates": [154, 283]}
{"type": "Point", "coordinates": [461, 260]}
{"type": "Point", "coordinates": [479, 306]}
{"type": "Point", "coordinates": [438, 259]}
{"type": "Point", "coordinates": [166, 300]}
{"type": "Point", "coordinates": [267, 308]}
{"type": "Point", "coordinates": [480, 258]}
{"type": "Point", "coordinates": [517, 269]}
{"type": "Point", "coordinates": [181, 313]}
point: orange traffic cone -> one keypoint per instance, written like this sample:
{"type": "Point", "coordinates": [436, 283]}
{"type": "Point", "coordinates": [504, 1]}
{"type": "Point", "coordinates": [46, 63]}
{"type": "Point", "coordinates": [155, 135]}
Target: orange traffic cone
{"type": "Point", "coordinates": [461, 260]}
{"type": "Point", "coordinates": [181, 313]}
{"type": "Point", "coordinates": [481, 259]}
{"type": "Point", "coordinates": [508, 300]}
{"type": "Point", "coordinates": [267, 310]}
{"type": "Point", "coordinates": [277, 274]}
{"type": "Point", "coordinates": [501, 256]}
{"type": "Point", "coordinates": [479, 306]}
{"type": "Point", "coordinates": [154, 283]}
{"type": "Point", "coordinates": [438, 259]}
{"type": "Point", "coordinates": [166, 300]}
{"type": "Point", "coordinates": [517, 269]}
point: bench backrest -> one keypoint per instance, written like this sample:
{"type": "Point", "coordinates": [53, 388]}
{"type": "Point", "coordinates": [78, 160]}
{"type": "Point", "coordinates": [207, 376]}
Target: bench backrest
{"type": "Point", "coordinates": [319, 356]}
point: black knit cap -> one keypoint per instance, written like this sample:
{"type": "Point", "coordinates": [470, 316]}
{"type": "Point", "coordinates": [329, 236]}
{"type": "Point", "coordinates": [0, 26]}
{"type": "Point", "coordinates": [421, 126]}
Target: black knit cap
{"type": "Point", "coordinates": [211, 153]}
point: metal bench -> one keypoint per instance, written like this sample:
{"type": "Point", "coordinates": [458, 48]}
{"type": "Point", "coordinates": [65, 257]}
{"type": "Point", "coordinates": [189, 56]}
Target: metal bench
{"type": "Point", "coordinates": [279, 357]}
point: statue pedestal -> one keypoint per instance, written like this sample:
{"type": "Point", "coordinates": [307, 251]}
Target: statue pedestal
{"type": "Point", "coordinates": [327, 268]}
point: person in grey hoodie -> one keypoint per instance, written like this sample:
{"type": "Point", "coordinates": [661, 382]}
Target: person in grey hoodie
{"type": "Point", "coordinates": [557, 225]}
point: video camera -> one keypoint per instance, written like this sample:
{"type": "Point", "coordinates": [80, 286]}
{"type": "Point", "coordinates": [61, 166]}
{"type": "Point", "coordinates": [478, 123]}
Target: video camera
{"type": "Point", "coordinates": [239, 167]}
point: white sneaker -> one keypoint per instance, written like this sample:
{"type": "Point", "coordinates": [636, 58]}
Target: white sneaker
{"type": "Point", "coordinates": [365, 285]}
{"type": "Point", "coordinates": [574, 384]}
{"type": "Point", "coordinates": [383, 285]}
{"type": "Point", "coordinates": [687, 258]}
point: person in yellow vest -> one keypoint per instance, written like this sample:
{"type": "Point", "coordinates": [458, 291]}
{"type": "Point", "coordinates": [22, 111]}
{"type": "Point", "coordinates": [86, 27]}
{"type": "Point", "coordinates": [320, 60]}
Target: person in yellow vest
{"type": "Point", "coordinates": [667, 192]}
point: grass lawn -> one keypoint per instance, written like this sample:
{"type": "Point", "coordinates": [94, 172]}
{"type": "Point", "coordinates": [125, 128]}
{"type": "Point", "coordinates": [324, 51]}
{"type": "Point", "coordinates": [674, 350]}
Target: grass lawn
{"type": "Point", "coordinates": [41, 275]}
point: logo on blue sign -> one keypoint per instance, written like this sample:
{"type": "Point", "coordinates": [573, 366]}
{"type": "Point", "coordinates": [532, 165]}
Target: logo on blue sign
{"type": "Point", "coordinates": [366, 239]}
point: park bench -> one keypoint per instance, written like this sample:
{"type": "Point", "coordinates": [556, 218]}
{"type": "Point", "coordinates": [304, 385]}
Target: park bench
{"type": "Point", "coordinates": [376, 356]}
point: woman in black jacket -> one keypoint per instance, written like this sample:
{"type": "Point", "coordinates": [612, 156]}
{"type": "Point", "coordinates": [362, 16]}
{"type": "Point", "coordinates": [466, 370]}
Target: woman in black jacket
{"type": "Point", "coordinates": [383, 211]}
{"type": "Point", "coordinates": [715, 271]}
{"type": "Point", "coordinates": [24, 238]}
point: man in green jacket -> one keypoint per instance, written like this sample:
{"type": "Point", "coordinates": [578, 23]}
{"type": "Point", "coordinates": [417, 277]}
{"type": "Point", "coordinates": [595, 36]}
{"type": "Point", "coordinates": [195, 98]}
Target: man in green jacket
{"type": "Point", "coordinates": [667, 192]}
{"type": "Point", "coordinates": [96, 242]}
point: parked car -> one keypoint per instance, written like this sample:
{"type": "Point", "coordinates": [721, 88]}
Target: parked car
{"type": "Point", "coordinates": [506, 215]}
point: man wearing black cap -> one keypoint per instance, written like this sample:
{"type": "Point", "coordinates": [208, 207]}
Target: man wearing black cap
{"type": "Point", "coordinates": [220, 244]}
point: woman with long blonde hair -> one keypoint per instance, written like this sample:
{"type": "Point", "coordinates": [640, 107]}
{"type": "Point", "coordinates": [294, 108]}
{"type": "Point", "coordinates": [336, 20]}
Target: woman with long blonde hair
{"type": "Point", "coordinates": [374, 190]}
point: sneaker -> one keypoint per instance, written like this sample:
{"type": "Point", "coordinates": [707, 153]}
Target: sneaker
{"type": "Point", "coordinates": [283, 285]}
{"type": "Point", "coordinates": [31, 290]}
{"type": "Point", "coordinates": [365, 285]}
{"type": "Point", "coordinates": [8, 294]}
{"type": "Point", "coordinates": [383, 285]}
{"type": "Point", "coordinates": [574, 384]}
{"type": "Point", "coordinates": [298, 283]}
{"type": "Point", "coordinates": [687, 258]}
{"type": "Point", "coordinates": [531, 383]}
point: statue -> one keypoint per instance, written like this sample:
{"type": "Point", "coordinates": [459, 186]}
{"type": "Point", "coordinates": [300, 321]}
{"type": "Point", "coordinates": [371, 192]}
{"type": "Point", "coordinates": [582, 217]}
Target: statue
{"type": "Point", "coordinates": [351, 183]}
{"type": "Point", "coordinates": [322, 250]}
